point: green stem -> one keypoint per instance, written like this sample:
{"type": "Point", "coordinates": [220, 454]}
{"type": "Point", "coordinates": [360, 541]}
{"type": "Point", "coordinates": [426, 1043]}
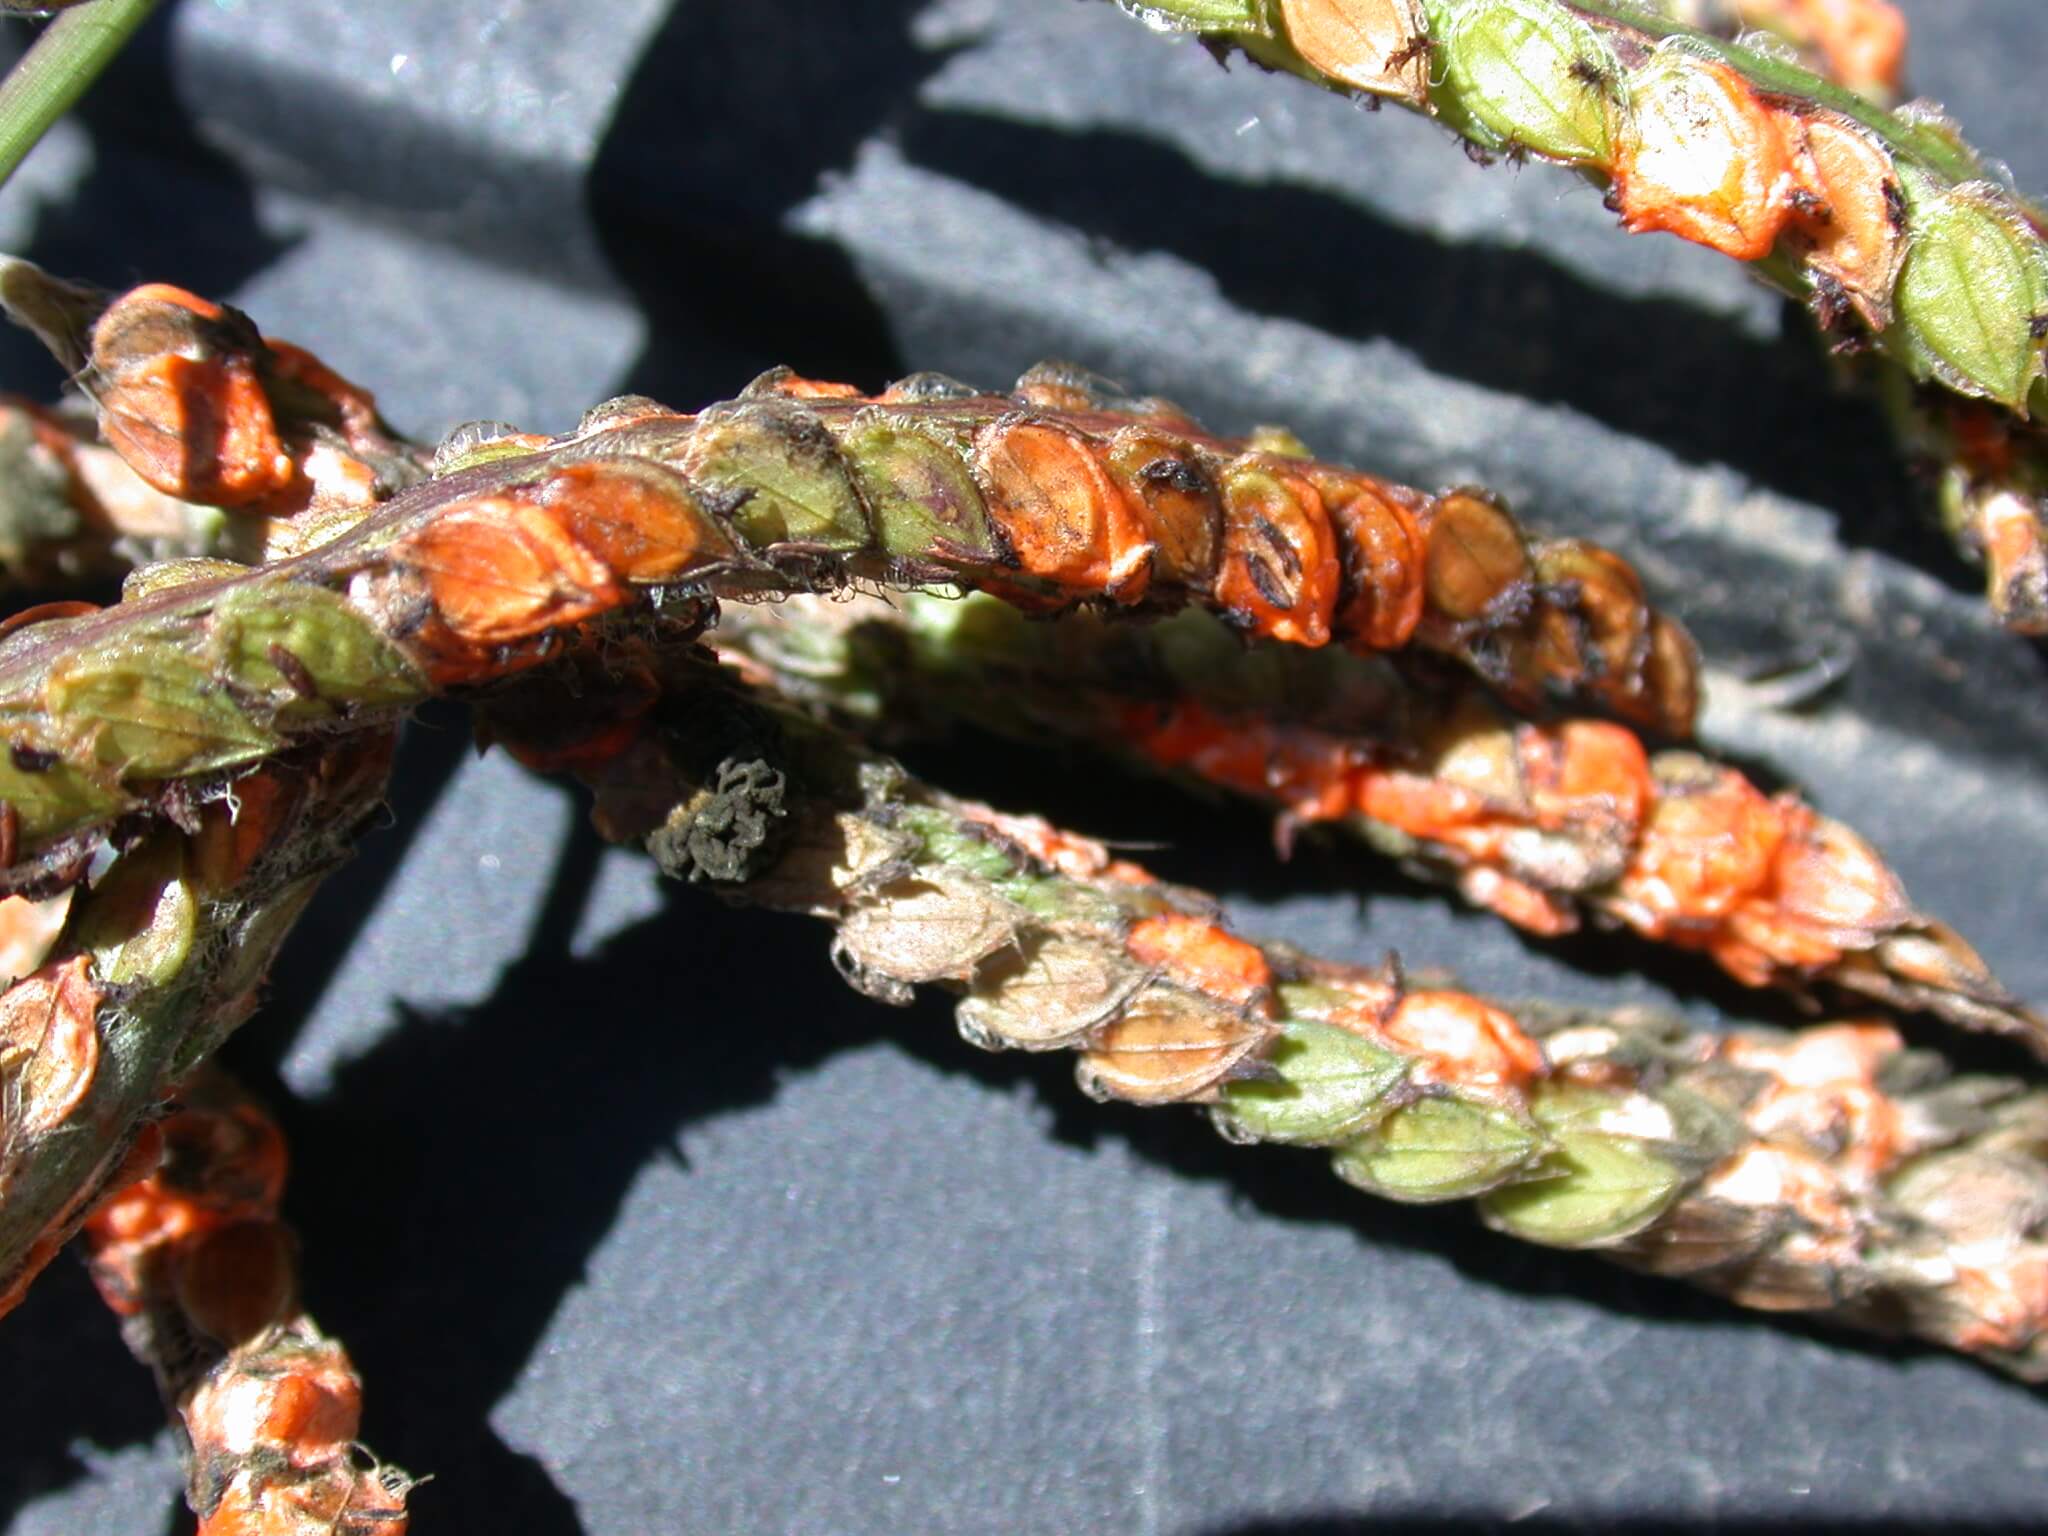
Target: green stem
{"type": "Point", "coordinates": [54, 73]}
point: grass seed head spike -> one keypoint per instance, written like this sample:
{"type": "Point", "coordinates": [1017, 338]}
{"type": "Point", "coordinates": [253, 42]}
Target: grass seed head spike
{"type": "Point", "coordinates": [1885, 224]}
{"type": "Point", "coordinates": [152, 967]}
{"type": "Point", "coordinates": [1780, 1170]}
{"type": "Point", "coordinates": [195, 1261]}
{"type": "Point", "coordinates": [1548, 824]}
{"type": "Point", "coordinates": [482, 572]}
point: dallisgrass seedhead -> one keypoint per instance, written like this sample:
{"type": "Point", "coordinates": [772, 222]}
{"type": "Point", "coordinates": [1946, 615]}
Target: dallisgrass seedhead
{"type": "Point", "coordinates": [1885, 223]}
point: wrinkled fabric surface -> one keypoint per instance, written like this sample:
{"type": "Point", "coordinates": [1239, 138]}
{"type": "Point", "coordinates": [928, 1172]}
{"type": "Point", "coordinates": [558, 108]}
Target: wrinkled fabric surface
{"type": "Point", "coordinates": [635, 1217]}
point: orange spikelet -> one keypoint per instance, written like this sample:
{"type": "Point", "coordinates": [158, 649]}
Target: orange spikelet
{"type": "Point", "coordinates": [1828, 892]}
{"type": "Point", "coordinates": [1584, 770]}
{"type": "Point", "coordinates": [1167, 1046]}
{"type": "Point", "coordinates": [1203, 956]}
{"type": "Point", "coordinates": [273, 1449]}
{"type": "Point", "coordinates": [1368, 44]}
{"type": "Point", "coordinates": [500, 570]}
{"type": "Point", "coordinates": [1175, 498]}
{"type": "Point", "coordinates": [1474, 562]}
{"type": "Point", "coordinates": [1604, 634]}
{"type": "Point", "coordinates": [1383, 549]}
{"type": "Point", "coordinates": [1463, 1042]}
{"type": "Point", "coordinates": [190, 416]}
{"type": "Point", "coordinates": [1706, 847]}
{"type": "Point", "coordinates": [1066, 519]}
{"type": "Point", "coordinates": [636, 519]}
{"type": "Point", "coordinates": [1855, 236]}
{"type": "Point", "coordinates": [1706, 160]}
{"type": "Point", "coordinates": [1416, 803]}
{"type": "Point", "coordinates": [1280, 574]}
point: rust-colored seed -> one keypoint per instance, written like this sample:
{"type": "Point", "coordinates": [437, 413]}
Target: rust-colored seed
{"type": "Point", "coordinates": [1167, 1045]}
{"type": "Point", "coordinates": [1707, 160]}
{"type": "Point", "coordinates": [500, 570]}
{"type": "Point", "coordinates": [1280, 573]}
{"type": "Point", "coordinates": [200, 431]}
{"type": "Point", "coordinates": [1176, 498]}
{"type": "Point", "coordinates": [1383, 566]}
{"type": "Point", "coordinates": [181, 401]}
{"type": "Point", "coordinates": [1369, 44]}
{"type": "Point", "coordinates": [1474, 557]}
{"type": "Point", "coordinates": [1704, 850]}
{"type": "Point", "coordinates": [1464, 1042]}
{"type": "Point", "coordinates": [1202, 956]}
{"type": "Point", "coordinates": [1066, 520]}
{"type": "Point", "coordinates": [1855, 242]}
{"type": "Point", "coordinates": [635, 518]}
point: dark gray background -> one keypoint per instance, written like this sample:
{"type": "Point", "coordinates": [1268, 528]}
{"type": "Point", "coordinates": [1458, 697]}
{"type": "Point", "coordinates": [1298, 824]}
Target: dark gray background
{"type": "Point", "coordinates": [635, 1218]}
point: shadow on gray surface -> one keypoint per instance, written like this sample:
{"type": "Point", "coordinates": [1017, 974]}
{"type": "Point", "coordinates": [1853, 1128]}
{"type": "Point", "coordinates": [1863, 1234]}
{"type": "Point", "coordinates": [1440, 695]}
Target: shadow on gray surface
{"type": "Point", "coordinates": [727, 288]}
